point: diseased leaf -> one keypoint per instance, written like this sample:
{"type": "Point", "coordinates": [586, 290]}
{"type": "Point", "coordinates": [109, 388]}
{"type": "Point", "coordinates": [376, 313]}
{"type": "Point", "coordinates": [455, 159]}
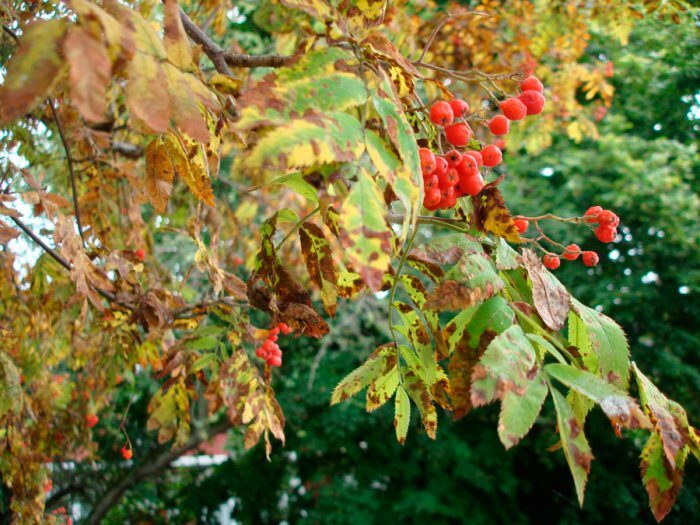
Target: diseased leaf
{"type": "Point", "coordinates": [318, 256]}
{"type": "Point", "coordinates": [669, 418]}
{"type": "Point", "coordinates": [195, 170]}
{"type": "Point", "coordinates": [169, 412]}
{"type": "Point", "coordinates": [508, 365]}
{"type": "Point", "coordinates": [90, 72]}
{"type": "Point", "coordinates": [493, 216]}
{"type": "Point", "coordinates": [621, 409]}
{"type": "Point", "coordinates": [420, 395]}
{"type": "Point", "coordinates": [379, 363]}
{"type": "Point", "coordinates": [576, 449]}
{"type": "Point", "coordinates": [362, 14]}
{"type": "Point", "coordinates": [382, 389]}
{"type": "Point", "coordinates": [319, 9]}
{"type": "Point", "coordinates": [160, 172]}
{"type": "Point", "coordinates": [33, 69]}
{"type": "Point", "coordinates": [309, 141]}
{"type": "Point", "coordinates": [506, 257]}
{"type": "Point", "coordinates": [364, 232]}
{"type": "Point", "coordinates": [609, 344]}
{"type": "Point", "coordinates": [518, 413]}
{"type": "Point", "coordinates": [549, 295]}
{"type": "Point", "coordinates": [186, 110]}
{"type": "Point", "coordinates": [402, 414]}
{"type": "Point", "coordinates": [468, 335]}
{"type": "Point", "coordinates": [661, 480]}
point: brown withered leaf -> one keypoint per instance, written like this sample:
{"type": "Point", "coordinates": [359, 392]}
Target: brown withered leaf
{"type": "Point", "coordinates": [147, 95]}
{"type": "Point", "coordinates": [160, 172]}
{"type": "Point", "coordinates": [33, 69]}
{"type": "Point", "coordinates": [662, 481]}
{"type": "Point", "coordinates": [7, 233]}
{"type": "Point", "coordinates": [90, 72]}
{"type": "Point", "coordinates": [453, 295]}
{"type": "Point", "coordinates": [461, 368]}
{"type": "Point", "coordinates": [551, 299]}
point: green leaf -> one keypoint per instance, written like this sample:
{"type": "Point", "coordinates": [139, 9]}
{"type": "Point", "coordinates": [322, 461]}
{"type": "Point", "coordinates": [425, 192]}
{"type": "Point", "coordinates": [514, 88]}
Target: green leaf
{"type": "Point", "coordinates": [402, 414]}
{"type": "Point", "coordinates": [296, 182]}
{"type": "Point", "coordinates": [506, 257]}
{"type": "Point", "coordinates": [621, 409]}
{"type": "Point", "coordinates": [379, 363]}
{"type": "Point", "coordinates": [33, 70]}
{"type": "Point", "coordinates": [10, 386]}
{"type": "Point", "coordinates": [202, 343]}
{"type": "Point", "coordinates": [506, 366]}
{"type": "Point", "coordinates": [609, 344]}
{"type": "Point", "coordinates": [661, 481]}
{"type": "Point", "coordinates": [576, 449]}
{"type": "Point", "coordinates": [363, 231]}
{"type": "Point", "coordinates": [310, 141]}
{"type": "Point", "coordinates": [518, 413]}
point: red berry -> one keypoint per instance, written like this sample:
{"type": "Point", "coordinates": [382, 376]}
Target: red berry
{"type": "Point", "coordinates": [237, 260]}
{"type": "Point", "coordinates": [606, 233]}
{"type": "Point", "coordinates": [532, 83]}
{"type": "Point", "coordinates": [127, 453]}
{"type": "Point", "coordinates": [551, 261]}
{"type": "Point", "coordinates": [427, 160]}
{"type": "Point", "coordinates": [275, 361]}
{"type": "Point", "coordinates": [572, 252]}
{"type": "Point", "coordinates": [492, 156]}
{"type": "Point", "coordinates": [459, 107]}
{"type": "Point", "coordinates": [499, 125]}
{"type": "Point", "coordinates": [521, 225]}
{"type": "Point", "coordinates": [441, 166]}
{"type": "Point", "coordinates": [448, 199]}
{"type": "Point", "coordinates": [91, 420]}
{"type": "Point", "coordinates": [140, 254]}
{"type": "Point", "coordinates": [432, 198]}
{"type": "Point", "coordinates": [441, 114]}
{"type": "Point", "coordinates": [467, 166]}
{"type": "Point", "coordinates": [260, 352]}
{"type": "Point", "coordinates": [471, 184]}
{"type": "Point", "coordinates": [449, 179]}
{"type": "Point", "coordinates": [286, 329]}
{"type": "Point", "coordinates": [533, 100]}
{"type": "Point", "coordinates": [513, 108]}
{"type": "Point", "coordinates": [591, 215]}
{"type": "Point", "coordinates": [476, 156]}
{"type": "Point", "coordinates": [275, 330]}
{"type": "Point", "coordinates": [430, 182]}
{"type": "Point", "coordinates": [608, 218]}
{"type": "Point", "coordinates": [589, 258]}
{"type": "Point", "coordinates": [458, 134]}
{"type": "Point", "coordinates": [48, 486]}
{"type": "Point", "coordinates": [453, 157]}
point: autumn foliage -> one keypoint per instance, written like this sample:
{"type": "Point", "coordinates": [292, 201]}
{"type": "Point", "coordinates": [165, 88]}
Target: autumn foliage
{"type": "Point", "coordinates": [132, 136]}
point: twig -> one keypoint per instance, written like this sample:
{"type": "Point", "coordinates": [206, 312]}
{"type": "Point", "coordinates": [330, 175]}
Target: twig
{"type": "Point", "coordinates": [243, 60]}
{"type": "Point", "coordinates": [71, 169]}
{"type": "Point", "coordinates": [12, 34]}
{"type": "Point", "coordinates": [298, 225]}
{"type": "Point", "coordinates": [440, 24]}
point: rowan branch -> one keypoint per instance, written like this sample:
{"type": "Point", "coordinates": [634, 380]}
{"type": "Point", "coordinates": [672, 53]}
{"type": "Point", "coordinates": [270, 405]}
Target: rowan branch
{"type": "Point", "coordinates": [221, 58]}
{"type": "Point", "coordinates": [71, 168]}
{"type": "Point", "coordinates": [147, 469]}
{"type": "Point", "coordinates": [441, 23]}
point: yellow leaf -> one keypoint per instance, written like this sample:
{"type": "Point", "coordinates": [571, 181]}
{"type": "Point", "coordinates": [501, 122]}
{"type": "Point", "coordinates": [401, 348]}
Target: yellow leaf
{"type": "Point", "coordinates": [176, 43]}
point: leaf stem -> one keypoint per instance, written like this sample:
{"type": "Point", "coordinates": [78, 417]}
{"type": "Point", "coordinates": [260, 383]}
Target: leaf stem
{"type": "Point", "coordinates": [298, 225]}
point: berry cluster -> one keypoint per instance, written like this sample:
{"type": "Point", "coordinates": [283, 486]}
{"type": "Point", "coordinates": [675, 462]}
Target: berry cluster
{"type": "Point", "coordinates": [606, 221]}
{"type": "Point", "coordinates": [604, 224]}
{"type": "Point", "coordinates": [270, 350]}
{"type": "Point", "coordinates": [454, 174]}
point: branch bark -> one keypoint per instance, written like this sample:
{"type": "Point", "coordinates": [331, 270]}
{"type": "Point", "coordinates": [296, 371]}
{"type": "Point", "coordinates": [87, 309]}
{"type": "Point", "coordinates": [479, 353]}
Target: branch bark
{"type": "Point", "coordinates": [147, 469]}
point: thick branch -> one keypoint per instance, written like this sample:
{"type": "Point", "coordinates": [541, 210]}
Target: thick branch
{"type": "Point", "coordinates": [221, 58]}
{"type": "Point", "coordinates": [145, 470]}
